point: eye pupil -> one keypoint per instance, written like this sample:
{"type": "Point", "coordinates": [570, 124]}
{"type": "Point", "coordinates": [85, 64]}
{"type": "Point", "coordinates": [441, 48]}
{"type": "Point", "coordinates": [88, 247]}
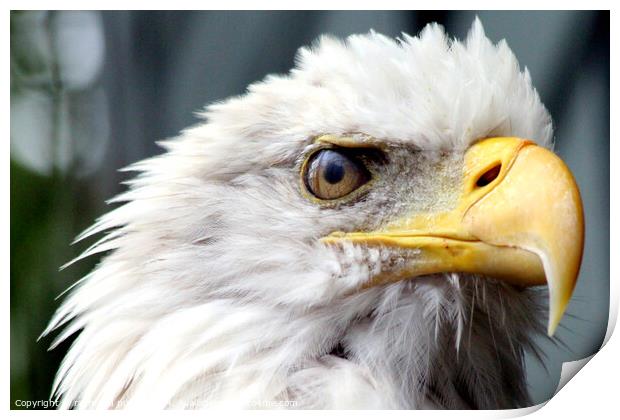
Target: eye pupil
{"type": "Point", "coordinates": [334, 172]}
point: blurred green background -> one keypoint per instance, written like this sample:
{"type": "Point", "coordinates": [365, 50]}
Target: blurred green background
{"type": "Point", "coordinates": [91, 92]}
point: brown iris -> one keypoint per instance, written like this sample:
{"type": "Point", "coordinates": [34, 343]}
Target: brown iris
{"type": "Point", "coordinates": [332, 174]}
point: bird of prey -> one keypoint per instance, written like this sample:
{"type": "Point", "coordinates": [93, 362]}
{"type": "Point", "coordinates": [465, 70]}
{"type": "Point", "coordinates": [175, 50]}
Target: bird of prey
{"type": "Point", "coordinates": [382, 227]}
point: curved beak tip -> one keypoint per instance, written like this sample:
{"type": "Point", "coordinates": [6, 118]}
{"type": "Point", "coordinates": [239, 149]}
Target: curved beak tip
{"type": "Point", "coordinates": [524, 226]}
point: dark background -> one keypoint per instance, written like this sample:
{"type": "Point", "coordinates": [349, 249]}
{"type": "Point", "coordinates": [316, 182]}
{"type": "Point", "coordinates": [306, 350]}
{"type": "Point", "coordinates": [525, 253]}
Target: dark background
{"type": "Point", "coordinates": [91, 92]}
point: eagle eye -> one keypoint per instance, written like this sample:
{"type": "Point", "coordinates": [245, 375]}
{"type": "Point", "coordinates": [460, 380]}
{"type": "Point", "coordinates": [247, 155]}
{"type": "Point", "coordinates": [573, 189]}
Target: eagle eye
{"type": "Point", "coordinates": [331, 174]}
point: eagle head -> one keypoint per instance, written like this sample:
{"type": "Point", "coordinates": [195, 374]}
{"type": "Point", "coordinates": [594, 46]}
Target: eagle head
{"type": "Point", "coordinates": [365, 231]}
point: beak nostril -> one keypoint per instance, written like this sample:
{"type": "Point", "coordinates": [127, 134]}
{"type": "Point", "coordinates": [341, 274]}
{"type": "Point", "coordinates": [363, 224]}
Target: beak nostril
{"type": "Point", "coordinates": [489, 176]}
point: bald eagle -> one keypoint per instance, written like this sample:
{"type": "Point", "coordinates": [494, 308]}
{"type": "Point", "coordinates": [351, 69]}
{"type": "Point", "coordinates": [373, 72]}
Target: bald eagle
{"type": "Point", "coordinates": [374, 229]}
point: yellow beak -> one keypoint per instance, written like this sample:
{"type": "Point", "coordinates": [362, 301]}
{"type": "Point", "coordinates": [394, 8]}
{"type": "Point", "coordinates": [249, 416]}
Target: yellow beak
{"type": "Point", "coordinates": [519, 218]}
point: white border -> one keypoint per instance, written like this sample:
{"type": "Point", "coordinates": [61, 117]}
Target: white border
{"type": "Point", "coordinates": [313, 5]}
{"type": "Point", "coordinates": [593, 395]}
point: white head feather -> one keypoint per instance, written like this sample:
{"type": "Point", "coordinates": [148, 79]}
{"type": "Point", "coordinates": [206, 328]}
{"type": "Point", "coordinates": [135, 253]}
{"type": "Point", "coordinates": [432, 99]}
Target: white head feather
{"type": "Point", "coordinates": [215, 290]}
